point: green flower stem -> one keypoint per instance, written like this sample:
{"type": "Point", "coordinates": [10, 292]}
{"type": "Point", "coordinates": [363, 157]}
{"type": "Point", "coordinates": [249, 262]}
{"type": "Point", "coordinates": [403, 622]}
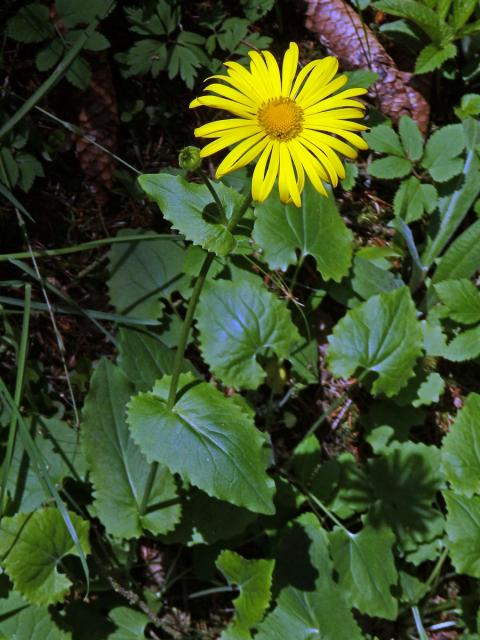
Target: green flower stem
{"type": "Point", "coordinates": [56, 75]}
{"type": "Point", "coordinates": [211, 188]}
{"type": "Point", "coordinates": [182, 343]}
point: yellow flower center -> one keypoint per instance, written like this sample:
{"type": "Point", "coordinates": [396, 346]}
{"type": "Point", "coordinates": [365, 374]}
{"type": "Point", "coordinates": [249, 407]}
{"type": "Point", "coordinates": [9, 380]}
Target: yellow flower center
{"type": "Point", "coordinates": [281, 118]}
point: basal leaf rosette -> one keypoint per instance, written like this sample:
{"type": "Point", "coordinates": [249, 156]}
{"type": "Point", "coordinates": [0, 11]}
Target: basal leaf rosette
{"type": "Point", "coordinates": [295, 124]}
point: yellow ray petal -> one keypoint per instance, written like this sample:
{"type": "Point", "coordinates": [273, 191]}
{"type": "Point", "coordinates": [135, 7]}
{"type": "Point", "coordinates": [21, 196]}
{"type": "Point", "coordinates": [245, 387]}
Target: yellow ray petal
{"type": "Point", "coordinates": [318, 79]}
{"type": "Point", "coordinates": [272, 172]}
{"type": "Point", "coordinates": [273, 72]}
{"type": "Point", "coordinates": [232, 94]}
{"type": "Point", "coordinates": [322, 158]}
{"type": "Point", "coordinates": [228, 139]}
{"type": "Point", "coordinates": [218, 126]}
{"type": "Point", "coordinates": [327, 149]}
{"type": "Point", "coordinates": [305, 72]}
{"type": "Point", "coordinates": [222, 103]}
{"type": "Point", "coordinates": [334, 102]}
{"type": "Point", "coordinates": [345, 133]}
{"type": "Point", "coordinates": [245, 85]}
{"type": "Point", "coordinates": [311, 165]}
{"type": "Point", "coordinates": [318, 94]}
{"type": "Point", "coordinates": [289, 68]}
{"type": "Point", "coordinates": [242, 154]}
{"type": "Point", "coordinates": [335, 143]}
{"type": "Point", "coordinates": [299, 169]}
{"type": "Point", "coordinates": [258, 177]}
{"type": "Point", "coordinates": [345, 113]}
{"type": "Point", "coordinates": [259, 70]}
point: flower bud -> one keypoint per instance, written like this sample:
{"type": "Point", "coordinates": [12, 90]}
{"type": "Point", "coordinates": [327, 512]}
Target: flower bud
{"type": "Point", "coordinates": [189, 158]}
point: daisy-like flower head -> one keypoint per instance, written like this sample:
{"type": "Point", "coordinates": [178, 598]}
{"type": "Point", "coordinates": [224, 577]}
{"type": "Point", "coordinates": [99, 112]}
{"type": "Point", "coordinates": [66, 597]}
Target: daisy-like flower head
{"type": "Point", "coordinates": [296, 123]}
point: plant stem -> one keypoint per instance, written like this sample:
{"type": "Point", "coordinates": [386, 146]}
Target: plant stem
{"type": "Point", "coordinates": [182, 343]}
{"type": "Point", "coordinates": [436, 569]}
{"type": "Point", "coordinates": [211, 188]}
{"type": "Point", "coordinates": [56, 75]}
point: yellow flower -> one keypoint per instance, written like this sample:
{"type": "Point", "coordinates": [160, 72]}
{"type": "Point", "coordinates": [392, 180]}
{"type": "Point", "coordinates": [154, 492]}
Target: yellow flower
{"type": "Point", "coordinates": [296, 124]}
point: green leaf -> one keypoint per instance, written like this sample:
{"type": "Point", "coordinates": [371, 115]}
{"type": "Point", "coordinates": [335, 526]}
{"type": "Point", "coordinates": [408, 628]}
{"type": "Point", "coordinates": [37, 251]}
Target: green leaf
{"type": "Point", "coordinates": [79, 74]}
{"type": "Point", "coordinates": [373, 276]}
{"type": "Point", "coordinates": [192, 211]}
{"type": "Point", "coordinates": [432, 57]}
{"type": "Point", "coordinates": [406, 478]}
{"type": "Point", "coordinates": [316, 229]}
{"type": "Point", "coordinates": [413, 199]}
{"type": "Point", "coordinates": [361, 78]}
{"type": "Point", "coordinates": [255, 9]}
{"type": "Point", "coordinates": [142, 272]}
{"type": "Point", "coordinates": [74, 13]}
{"type": "Point", "coordinates": [244, 320]}
{"type": "Point", "coordinates": [30, 168]}
{"type": "Point", "coordinates": [411, 138]}
{"type": "Point", "coordinates": [144, 56]}
{"type": "Point", "coordinates": [424, 17]}
{"type": "Point", "coordinates": [462, 257]}
{"type": "Point", "coordinates": [30, 24]}
{"type": "Point", "coordinates": [131, 623]}
{"type": "Point", "coordinates": [366, 568]}
{"type": "Point", "coordinates": [254, 579]}
{"type": "Point", "coordinates": [462, 11]}
{"type": "Point", "coordinates": [33, 545]}
{"type": "Point", "coordinates": [351, 171]}
{"type": "Point", "coordinates": [462, 299]}
{"type": "Point", "coordinates": [342, 485]}
{"type": "Point", "coordinates": [226, 457]}
{"type": "Point", "coordinates": [320, 611]}
{"type": "Point", "coordinates": [10, 173]}
{"type": "Point", "coordinates": [381, 335]}
{"type": "Point", "coordinates": [442, 151]}
{"type": "Point", "coordinates": [469, 106]}
{"type": "Point", "coordinates": [96, 42]}
{"type": "Point", "coordinates": [430, 390]}
{"type": "Point", "coordinates": [453, 208]}
{"type": "Point", "coordinates": [461, 449]}
{"type": "Point", "coordinates": [60, 448]}
{"type": "Point", "coordinates": [206, 520]}
{"type": "Point", "coordinates": [21, 621]}
{"type": "Point", "coordinates": [111, 453]}
{"type": "Point", "coordinates": [50, 55]}
{"type": "Point", "coordinates": [185, 57]}
{"type": "Point", "coordinates": [463, 532]}
{"type": "Point", "coordinates": [383, 139]}
{"type": "Point", "coordinates": [390, 167]}
{"type": "Point", "coordinates": [465, 346]}
{"type": "Point", "coordinates": [145, 358]}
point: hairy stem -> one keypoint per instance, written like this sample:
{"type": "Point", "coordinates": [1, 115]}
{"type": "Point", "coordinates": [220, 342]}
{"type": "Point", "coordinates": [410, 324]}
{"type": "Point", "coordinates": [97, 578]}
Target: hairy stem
{"type": "Point", "coordinates": [182, 344]}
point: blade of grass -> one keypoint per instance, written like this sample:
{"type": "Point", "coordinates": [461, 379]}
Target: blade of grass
{"type": "Point", "coordinates": [58, 335]}
{"type": "Point", "coordinates": [57, 74]}
{"type": "Point", "coordinates": [21, 359]}
{"type": "Point", "coordinates": [91, 313]}
{"type": "Point", "coordinates": [46, 285]}
{"type": "Point", "coordinates": [85, 246]}
{"type": "Point", "coordinates": [41, 470]}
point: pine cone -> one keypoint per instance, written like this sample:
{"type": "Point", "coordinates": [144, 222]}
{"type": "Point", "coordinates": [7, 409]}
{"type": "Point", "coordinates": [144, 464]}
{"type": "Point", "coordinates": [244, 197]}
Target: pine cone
{"type": "Point", "coordinates": [98, 119]}
{"type": "Point", "coordinates": [341, 31]}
